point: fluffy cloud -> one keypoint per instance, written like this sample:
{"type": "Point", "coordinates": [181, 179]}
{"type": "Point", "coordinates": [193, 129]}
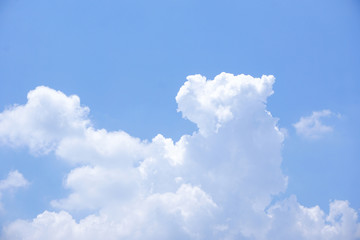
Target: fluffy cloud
{"type": "Point", "coordinates": [290, 220]}
{"type": "Point", "coordinates": [217, 183]}
{"type": "Point", "coordinates": [158, 216]}
{"type": "Point", "coordinates": [43, 121]}
{"type": "Point", "coordinates": [210, 104]}
{"type": "Point", "coordinates": [312, 127]}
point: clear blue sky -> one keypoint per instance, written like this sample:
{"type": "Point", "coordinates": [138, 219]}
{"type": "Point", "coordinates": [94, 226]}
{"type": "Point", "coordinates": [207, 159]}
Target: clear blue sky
{"type": "Point", "coordinates": [126, 60]}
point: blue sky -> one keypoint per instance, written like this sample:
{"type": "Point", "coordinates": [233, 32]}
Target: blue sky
{"type": "Point", "coordinates": [126, 60]}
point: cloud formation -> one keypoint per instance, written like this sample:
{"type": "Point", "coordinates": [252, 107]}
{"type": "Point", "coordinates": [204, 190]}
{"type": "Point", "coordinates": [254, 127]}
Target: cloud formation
{"type": "Point", "coordinates": [46, 118]}
{"type": "Point", "coordinates": [13, 181]}
{"type": "Point", "coordinates": [217, 183]}
{"type": "Point", "coordinates": [312, 127]}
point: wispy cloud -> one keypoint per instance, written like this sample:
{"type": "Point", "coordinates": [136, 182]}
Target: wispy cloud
{"type": "Point", "coordinates": [13, 181]}
{"type": "Point", "coordinates": [312, 126]}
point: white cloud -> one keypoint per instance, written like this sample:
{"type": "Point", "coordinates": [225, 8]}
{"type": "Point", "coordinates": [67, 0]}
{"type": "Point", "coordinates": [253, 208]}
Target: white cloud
{"type": "Point", "coordinates": [210, 104]}
{"type": "Point", "coordinates": [214, 184]}
{"type": "Point", "coordinates": [13, 181]}
{"type": "Point", "coordinates": [159, 216]}
{"type": "Point", "coordinates": [294, 221]}
{"type": "Point", "coordinates": [43, 121]}
{"type": "Point", "coordinates": [312, 127]}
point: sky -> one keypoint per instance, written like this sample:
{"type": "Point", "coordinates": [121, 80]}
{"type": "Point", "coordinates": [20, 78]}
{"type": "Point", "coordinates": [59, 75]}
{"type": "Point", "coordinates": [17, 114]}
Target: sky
{"type": "Point", "coordinates": [179, 119]}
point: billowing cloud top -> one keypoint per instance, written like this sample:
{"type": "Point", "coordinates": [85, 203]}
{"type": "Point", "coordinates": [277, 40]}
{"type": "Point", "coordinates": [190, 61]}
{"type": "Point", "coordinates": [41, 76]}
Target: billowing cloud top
{"type": "Point", "coordinates": [43, 121]}
{"type": "Point", "coordinates": [217, 183]}
{"type": "Point", "coordinates": [210, 104]}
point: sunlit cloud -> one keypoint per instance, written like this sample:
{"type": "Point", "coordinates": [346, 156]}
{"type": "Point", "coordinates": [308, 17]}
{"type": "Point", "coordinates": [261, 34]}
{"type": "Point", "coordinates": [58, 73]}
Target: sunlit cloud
{"type": "Point", "coordinates": [217, 183]}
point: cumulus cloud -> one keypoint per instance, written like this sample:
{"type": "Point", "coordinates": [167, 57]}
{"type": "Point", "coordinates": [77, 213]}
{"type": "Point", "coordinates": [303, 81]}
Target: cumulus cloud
{"type": "Point", "coordinates": [312, 127]}
{"type": "Point", "coordinates": [210, 104]}
{"type": "Point", "coordinates": [217, 183]}
{"type": "Point", "coordinates": [290, 220]}
{"type": "Point", "coordinates": [46, 118]}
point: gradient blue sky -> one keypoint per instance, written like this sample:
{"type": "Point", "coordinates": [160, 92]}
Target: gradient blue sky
{"type": "Point", "coordinates": [127, 59]}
